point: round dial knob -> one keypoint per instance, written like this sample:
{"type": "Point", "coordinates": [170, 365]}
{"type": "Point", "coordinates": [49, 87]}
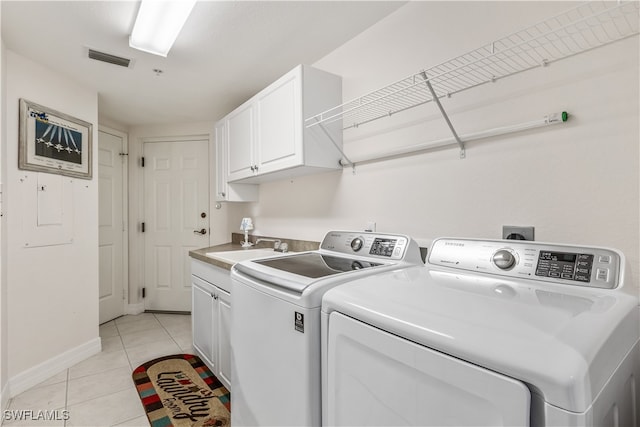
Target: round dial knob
{"type": "Point", "coordinates": [504, 259]}
{"type": "Point", "coordinates": [356, 244]}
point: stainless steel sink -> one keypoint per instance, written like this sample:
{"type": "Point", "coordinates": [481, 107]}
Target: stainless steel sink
{"type": "Point", "coordinates": [244, 254]}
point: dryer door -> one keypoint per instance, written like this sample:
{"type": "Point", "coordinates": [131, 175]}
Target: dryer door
{"type": "Point", "coordinates": [378, 379]}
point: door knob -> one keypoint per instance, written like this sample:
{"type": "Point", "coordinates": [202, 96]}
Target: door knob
{"type": "Point", "coordinates": [203, 231]}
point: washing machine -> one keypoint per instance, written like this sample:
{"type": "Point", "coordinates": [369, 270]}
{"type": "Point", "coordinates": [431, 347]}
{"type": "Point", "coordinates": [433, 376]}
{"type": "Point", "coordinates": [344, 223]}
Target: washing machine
{"type": "Point", "coordinates": [275, 322]}
{"type": "Point", "coordinates": [487, 333]}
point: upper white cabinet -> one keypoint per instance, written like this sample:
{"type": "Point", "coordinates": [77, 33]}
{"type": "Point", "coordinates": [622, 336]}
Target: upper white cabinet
{"type": "Point", "coordinates": [240, 141]}
{"type": "Point", "coordinates": [266, 138]}
{"type": "Point", "coordinates": [226, 192]}
{"type": "Point", "coordinates": [278, 125]}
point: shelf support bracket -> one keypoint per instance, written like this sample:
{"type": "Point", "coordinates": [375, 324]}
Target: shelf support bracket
{"type": "Point", "coordinates": [335, 144]}
{"type": "Point", "coordinates": [444, 114]}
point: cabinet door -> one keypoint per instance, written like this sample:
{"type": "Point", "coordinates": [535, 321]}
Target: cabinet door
{"type": "Point", "coordinates": [279, 124]}
{"type": "Point", "coordinates": [203, 313]}
{"type": "Point", "coordinates": [224, 339]}
{"type": "Point", "coordinates": [226, 192]}
{"type": "Point", "coordinates": [239, 143]}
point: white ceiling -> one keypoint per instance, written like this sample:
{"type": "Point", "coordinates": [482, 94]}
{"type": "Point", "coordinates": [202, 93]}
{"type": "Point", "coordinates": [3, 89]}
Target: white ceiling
{"type": "Point", "coordinates": [227, 51]}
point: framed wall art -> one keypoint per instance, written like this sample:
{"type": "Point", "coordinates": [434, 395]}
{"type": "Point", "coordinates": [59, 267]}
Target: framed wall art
{"type": "Point", "coordinates": [54, 142]}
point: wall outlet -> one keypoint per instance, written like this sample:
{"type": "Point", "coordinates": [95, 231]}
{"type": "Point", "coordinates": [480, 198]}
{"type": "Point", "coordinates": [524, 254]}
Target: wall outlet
{"type": "Point", "coordinates": [371, 226]}
{"type": "Point", "coordinates": [518, 232]}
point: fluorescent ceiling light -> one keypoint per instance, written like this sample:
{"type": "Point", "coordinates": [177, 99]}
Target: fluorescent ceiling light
{"type": "Point", "coordinates": [158, 24]}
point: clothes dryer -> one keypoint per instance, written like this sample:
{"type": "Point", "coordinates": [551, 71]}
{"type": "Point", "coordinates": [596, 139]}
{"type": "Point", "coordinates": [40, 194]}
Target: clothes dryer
{"type": "Point", "coordinates": [488, 333]}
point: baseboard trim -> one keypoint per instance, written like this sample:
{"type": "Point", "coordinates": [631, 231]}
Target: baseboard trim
{"type": "Point", "coordinates": [45, 370]}
{"type": "Point", "coordinates": [135, 308]}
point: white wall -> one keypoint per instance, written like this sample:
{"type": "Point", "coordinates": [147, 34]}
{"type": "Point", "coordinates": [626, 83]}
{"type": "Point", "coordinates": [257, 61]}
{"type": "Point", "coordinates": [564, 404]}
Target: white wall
{"type": "Point", "coordinates": [4, 377]}
{"type": "Point", "coordinates": [577, 182]}
{"type": "Point", "coordinates": [218, 217]}
{"type": "Point", "coordinates": [53, 290]}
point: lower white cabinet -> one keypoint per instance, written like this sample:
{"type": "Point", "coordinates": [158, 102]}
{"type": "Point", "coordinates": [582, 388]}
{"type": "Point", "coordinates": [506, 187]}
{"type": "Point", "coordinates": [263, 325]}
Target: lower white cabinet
{"type": "Point", "coordinates": [211, 317]}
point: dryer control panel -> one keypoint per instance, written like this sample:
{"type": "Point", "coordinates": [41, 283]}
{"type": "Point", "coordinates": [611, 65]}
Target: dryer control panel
{"type": "Point", "coordinates": [572, 265]}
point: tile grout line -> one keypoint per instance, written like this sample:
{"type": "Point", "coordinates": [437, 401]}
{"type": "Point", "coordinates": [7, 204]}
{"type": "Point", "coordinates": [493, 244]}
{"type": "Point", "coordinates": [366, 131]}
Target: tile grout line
{"type": "Point", "coordinates": [124, 347]}
{"type": "Point", "coordinates": [66, 396]}
{"type": "Point", "coordinates": [168, 333]}
{"type": "Point", "coordinates": [101, 352]}
{"type": "Point", "coordinates": [128, 361]}
{"type": "Point", "coordinates": [144, 330]}
{"type": "Point", "coordinates": [83, 376]}
{"type": "Point", "coordinates": [131, 368]}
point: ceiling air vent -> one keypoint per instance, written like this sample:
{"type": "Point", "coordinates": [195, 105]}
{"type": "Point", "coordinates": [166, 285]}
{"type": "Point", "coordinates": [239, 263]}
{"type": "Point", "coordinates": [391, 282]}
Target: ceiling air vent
{"type": "Point", "coordinates": [111, 59]}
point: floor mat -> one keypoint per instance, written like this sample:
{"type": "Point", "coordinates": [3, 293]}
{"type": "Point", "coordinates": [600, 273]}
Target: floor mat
{"type": "Point", "coordinates": [180, 390]}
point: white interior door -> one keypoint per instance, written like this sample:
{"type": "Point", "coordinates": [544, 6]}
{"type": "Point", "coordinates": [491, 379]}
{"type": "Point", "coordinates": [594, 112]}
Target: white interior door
{"type": "Point", "coordinates": [112, 250]}
{"type": "Point", "coordinates": [176, 197]}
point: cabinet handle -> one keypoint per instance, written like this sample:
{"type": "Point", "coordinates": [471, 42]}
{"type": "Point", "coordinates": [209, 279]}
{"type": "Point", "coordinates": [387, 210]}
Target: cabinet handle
{"type": "Point", "coordinates": [215, 297]}
{"type": "Point", "coordinates": [222, 194]}
{"type": "Point", "coordinates": [253, 168]}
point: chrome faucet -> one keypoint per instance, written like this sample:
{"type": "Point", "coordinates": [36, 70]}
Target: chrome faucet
{"type": "Point", "coordinates": [277, 244]}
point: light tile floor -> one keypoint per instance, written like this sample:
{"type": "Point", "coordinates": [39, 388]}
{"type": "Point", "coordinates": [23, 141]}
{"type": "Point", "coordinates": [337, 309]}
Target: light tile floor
{"type": "Point", "coordinates": [99, 391]}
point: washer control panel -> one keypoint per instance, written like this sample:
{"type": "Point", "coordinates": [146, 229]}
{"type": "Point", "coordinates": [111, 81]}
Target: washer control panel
{"type": "Point", "coordinates": [574, 265]}
{"type": "Point", "coordinates": [366, 244]}
{"type": "Point", "coordinates": [565, 265]}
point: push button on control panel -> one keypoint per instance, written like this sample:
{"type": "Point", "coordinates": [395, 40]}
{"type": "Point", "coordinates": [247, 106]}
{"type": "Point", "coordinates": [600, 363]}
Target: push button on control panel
{"type": "Point", "coordinates": [602, 274]}
{"type": "Point", "coordinates": [583, 267]}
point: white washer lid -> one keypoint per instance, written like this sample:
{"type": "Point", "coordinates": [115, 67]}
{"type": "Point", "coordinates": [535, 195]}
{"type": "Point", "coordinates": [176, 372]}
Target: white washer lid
{"type": "Point", "coordinates": [563, 341]}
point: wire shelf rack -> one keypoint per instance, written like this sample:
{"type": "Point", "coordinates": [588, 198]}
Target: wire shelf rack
{"type": "Point", "coordinates": [583, 28]}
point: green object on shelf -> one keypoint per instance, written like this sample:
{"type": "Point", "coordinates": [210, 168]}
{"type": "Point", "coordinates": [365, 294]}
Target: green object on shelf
{"type": "Point", "coordinates": [565, 116]}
